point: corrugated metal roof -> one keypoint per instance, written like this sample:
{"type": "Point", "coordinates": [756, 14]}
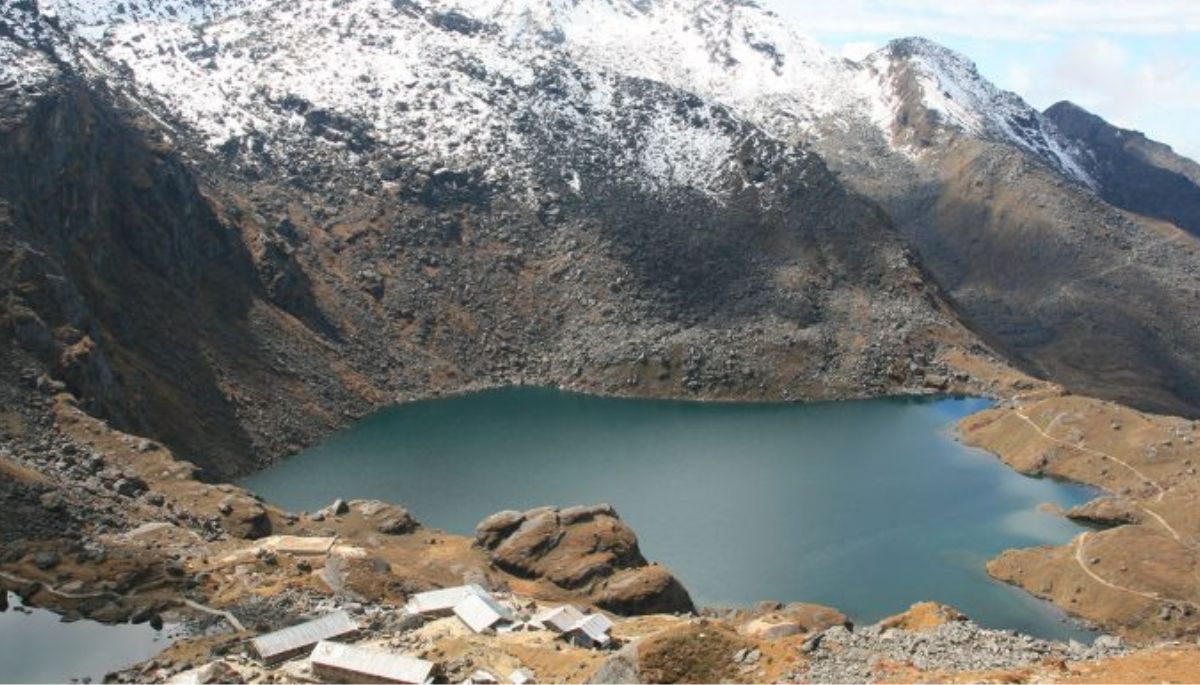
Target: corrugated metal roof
{"type": "Point", "coordinates": [436, 601]}
{"type": "Point", "coordinates": [375, 663]}
{"type": "Point", "coordinates": [281, 642]}
{"type": "Point", "coordinates": [595, 627]}
{"type": "Point", "coordinates": [560, 618]}
{"type": "Point", "coordinates": [601, 622]}
{"type": "Point", "coordinates": [481, 613]}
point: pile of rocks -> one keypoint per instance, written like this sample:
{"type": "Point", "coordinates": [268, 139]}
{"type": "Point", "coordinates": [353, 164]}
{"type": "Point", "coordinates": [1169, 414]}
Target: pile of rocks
{"type": "Point", "coordinates": [839, 655]}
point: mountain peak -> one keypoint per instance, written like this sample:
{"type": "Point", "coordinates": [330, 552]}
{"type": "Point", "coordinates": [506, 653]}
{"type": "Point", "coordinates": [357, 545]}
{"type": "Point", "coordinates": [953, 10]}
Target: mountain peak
{"type": "Point", "coordinates": [933, 56]}
{"type": "Point", "coordinates": [1066, 106]}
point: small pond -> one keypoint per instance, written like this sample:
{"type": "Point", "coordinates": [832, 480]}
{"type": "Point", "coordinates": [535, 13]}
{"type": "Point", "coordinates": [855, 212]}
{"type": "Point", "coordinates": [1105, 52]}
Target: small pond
{"type": "Point", "coordinates": [866, 506]}
{"type": "Point", "coordinates": [37, 646]}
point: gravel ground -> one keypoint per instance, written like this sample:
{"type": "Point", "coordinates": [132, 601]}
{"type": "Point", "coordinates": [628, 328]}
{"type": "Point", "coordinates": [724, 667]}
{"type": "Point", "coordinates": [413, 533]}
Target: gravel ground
{"type": "Point", "coordinates": [843, 656]}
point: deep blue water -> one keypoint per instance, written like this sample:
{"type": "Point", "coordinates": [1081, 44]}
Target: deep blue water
{"type": "Point", "coordinates": [866, 506]}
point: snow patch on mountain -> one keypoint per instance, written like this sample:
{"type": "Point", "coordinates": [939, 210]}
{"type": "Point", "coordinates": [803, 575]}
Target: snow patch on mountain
{"type": "Point", "coordinates": [437, 79]}
{"type": "Point", "coordinates": [91, 19]}
{"type": "Point", "coordinates": [438, 88]}
{"type": "Point", "coordinates": [953, 88]}
{"type": "Point", "coordinates": [736, 53]}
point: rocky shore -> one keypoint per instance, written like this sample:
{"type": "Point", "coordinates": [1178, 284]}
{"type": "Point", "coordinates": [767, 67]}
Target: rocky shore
{"type": "Point", "coordinates": [1134, 574]}
{"type": "Point", "coordinates": [107, 525]}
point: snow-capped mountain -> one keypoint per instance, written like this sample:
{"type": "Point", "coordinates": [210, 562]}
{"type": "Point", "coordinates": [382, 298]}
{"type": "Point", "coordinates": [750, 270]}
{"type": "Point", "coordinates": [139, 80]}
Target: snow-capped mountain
{"type": "Point", "coordinates": [687, 134]}
{"type": "Point", "coordinates": [743, 56]}
{"type": "Point", "coordinates": [427, 82]}
{"type": "Point", "coordinates": [223, 68]}
{"type": "Point", "coordinates": [378, 198]}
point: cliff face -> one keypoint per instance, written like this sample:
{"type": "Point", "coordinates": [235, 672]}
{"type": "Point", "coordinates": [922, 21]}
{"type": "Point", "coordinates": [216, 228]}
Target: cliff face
{"type": "Point", "coordinates": [124, 282]}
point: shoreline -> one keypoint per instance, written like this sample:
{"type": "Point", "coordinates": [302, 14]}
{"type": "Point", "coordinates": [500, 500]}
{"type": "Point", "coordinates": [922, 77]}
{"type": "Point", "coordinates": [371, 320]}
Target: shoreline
{"type": "Point", "coordinates": [195, 506]}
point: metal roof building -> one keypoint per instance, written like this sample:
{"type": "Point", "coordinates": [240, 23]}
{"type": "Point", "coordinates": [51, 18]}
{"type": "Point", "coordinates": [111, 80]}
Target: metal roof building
{"type": "Point", "coordinates": [591, 631]}
{"type": "Point", "coordinates": [441, 602]}
{"type": "Point", "coordinates": [559, 619]}
{"type": "Point", "coordinates": [481, 613]}
{"type": "Point", "coordinates": [350, 664]}
{"type": "Point", "coordinates": [300, 639]}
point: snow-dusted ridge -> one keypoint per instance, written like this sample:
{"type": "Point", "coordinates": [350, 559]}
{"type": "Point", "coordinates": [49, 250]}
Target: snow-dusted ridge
{"type": "Point", "coordinates": [436, 79]}
{"type": "Point", "coordinates": [952, 87]}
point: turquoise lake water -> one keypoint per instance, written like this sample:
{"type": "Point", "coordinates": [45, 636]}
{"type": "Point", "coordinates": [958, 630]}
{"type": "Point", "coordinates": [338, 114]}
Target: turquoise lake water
{"type": "Point", "coordinates": [36, 646]}
{"type": "Point", "coordinates": [865, 506]}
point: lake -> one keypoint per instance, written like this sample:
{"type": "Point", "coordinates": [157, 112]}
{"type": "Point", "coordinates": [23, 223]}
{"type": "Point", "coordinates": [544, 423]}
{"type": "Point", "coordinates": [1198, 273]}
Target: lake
{"type": "Point", "coordinates": [37, 646]}
{"type": "Point", "coordinates": [866, 506]}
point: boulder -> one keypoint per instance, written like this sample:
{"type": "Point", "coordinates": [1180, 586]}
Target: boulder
{"type": "Point", "coordinates": [584, 549]}
{"type": "Point", "coordinates": [338, 508]}
{"type": "Point", "coordinates": [923, 616]}
{"type": "Point", "coordinates": [772, 622]}
{"type": "Point", "coordinates": [388, 519]}
{"type": "Point", "coordinates": [644, 590]}
{"type": "Point", "coordinates": [46, 560]}
{"type": "Point", "coordinates": [244, 517]}
{"type": "Point", "coordinates": [1106, 511]}
{"type": "Point", "coordinates": [494, 529]}
{"type": "Point", "coordinates": [209, 674]}
{"type": "Point", "coordinates": [620, 668]}
{"type": "Point", "coordinates": [768, 629]}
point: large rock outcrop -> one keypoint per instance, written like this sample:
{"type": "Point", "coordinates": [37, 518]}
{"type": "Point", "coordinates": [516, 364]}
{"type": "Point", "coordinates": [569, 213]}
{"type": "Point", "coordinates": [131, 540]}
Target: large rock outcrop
{"type": "Point", "coordinates": [582, 549]}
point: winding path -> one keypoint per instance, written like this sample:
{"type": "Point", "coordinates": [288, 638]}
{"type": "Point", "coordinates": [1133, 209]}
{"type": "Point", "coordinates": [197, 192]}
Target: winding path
{"type": "Point", "coordinates": [1081, 541]}
{"type": "Point", "coordinates": [1089, 450]}
{"type": "Point", "coordinates": [1161, 490]}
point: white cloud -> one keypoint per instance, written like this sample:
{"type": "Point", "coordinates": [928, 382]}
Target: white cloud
{"type": "Point", "coordinates": [1157, 94]}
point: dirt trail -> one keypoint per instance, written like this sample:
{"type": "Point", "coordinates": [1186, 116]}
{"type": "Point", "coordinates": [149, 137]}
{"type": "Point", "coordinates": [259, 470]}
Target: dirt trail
{"type": "Point", "coordinates": [1095, 452]}
{"type": "Point", "coordinates": [1064, 290]}
{"type": "Point", "coordinates": [1081, 542]}
{"type": "Point", "coordinates": [1161, 490]}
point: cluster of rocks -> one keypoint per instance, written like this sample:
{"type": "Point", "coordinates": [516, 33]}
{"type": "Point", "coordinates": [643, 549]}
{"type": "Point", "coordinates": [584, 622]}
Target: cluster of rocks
{"type": "Point", "coordinates": [840, 655]}
{"type": "Point", "coordinates": [586, 549]}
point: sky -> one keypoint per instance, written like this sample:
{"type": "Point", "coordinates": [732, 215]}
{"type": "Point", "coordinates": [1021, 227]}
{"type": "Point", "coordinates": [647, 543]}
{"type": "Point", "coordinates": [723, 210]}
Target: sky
{"type": "Point", "coordinates": [1134, 62]}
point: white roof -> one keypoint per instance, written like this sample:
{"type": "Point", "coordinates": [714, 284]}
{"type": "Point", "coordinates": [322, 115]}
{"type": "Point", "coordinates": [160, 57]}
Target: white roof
{"type": "Point", "coordinates": [282, 642]}
{"type": "Point", "coordinates": [436, 601]}
{"type": "Point", "coordinates": [595, 627]}
{"type": "Point", "coordinates": [600, 622]}
{"type": "Point", "coordinates": [560, 618]}
{"type": "Point", "coordinates": [481, 613]}
{"type": "Point", "coordinates": [376, 663]}
{"type": "Point", "coordinates": [521, 676]}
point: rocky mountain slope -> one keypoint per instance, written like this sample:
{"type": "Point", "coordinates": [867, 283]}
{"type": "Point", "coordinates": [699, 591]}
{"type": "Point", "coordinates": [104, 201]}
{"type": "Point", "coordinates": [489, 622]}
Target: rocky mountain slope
{"type": "Point", "coordinates": [1132, 171]}
{"type": "Point", "coordinates": [428, 212]}
{"type": "Point", "coordinates": [232, 227]}
{"type": "Point", "coordinates": [952, 158]}
{"type": "Point", "coordinates": [1020, 236]}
